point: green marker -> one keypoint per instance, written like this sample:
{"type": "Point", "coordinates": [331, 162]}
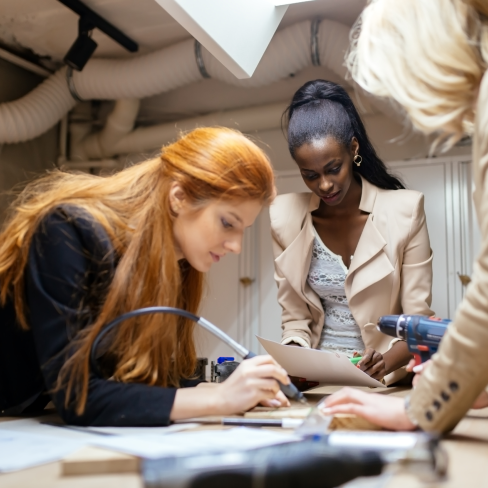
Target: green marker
{"type": "Point", "coordinates": [355, 360]}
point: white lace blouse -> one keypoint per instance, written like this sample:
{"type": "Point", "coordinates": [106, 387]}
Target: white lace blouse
{"type": "Point", "coordinates": [326, 277]}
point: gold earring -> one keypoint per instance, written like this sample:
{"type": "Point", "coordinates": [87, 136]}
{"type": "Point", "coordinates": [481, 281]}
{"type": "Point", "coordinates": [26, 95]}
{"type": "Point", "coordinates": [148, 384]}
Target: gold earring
{"type": "Point", "coordinates": [355, 160]}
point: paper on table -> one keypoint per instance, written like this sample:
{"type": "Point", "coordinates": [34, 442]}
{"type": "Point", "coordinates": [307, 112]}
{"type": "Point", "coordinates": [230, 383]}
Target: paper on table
{"type": "Point", "coordinates": [144, 431]}
{"type": "Point", "coordinates": [328, 368]}
{"type": "Point", "coordinates": [208, 441]}
{"type": "Point", "coordinates": [42, 426]}
{"type": "Point", "coordinates": [376, 440]}
{"type": "Point", "coordinates": [19, 450]}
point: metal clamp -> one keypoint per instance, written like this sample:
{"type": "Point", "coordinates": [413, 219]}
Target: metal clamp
{"type": "Point", "coordinates": [199, 60]}
{"type": "Point", "coordinates": [71, 85]}
{"type": "Point", "coordinates": [314, 42]}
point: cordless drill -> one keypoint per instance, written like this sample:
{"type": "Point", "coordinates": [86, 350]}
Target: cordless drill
{"type": "Point", "coordinates": [422, 334]}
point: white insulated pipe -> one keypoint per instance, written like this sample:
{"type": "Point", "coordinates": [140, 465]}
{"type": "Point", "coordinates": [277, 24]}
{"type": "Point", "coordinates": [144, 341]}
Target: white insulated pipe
{"type": "Point", "coordinates": [289, 52]}
{"type": "Point", "coordinates": [36, 112]}
{"type": "Point", "coordinates": [264, 117]}
{"type": "Point", "coordinates": [162, 71]}
{"type": "Point", "coordinates": [119, 123]}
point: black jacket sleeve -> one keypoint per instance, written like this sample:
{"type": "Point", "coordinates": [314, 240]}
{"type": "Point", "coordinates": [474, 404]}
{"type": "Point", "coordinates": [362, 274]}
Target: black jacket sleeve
{"type": "Point", "coordinates": [65, 261]}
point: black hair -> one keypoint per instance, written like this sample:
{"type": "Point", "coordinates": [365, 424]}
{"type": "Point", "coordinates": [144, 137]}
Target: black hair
{"type": "Point", "coordinates": [321, 109]}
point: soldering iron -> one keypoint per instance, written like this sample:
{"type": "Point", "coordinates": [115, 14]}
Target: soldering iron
{"type": "Point", "coordinates": [422, 334]}
{"type": "Point", "coordinates": [289, 390]}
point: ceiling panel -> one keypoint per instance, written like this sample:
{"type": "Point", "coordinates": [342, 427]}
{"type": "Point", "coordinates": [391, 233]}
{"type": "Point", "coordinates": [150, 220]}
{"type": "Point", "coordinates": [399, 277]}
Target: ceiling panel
{"type": "Point", "coordinates": [48, 28]}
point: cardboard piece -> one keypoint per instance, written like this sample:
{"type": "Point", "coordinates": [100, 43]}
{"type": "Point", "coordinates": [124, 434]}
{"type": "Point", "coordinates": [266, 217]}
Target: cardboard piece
{"type": "Point", "coordinates": [329, 368]}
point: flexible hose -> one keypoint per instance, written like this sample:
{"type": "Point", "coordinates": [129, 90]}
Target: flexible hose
{"type": "Point", "coordinates": [290, 390]}
{"type": "Point", "coordinates": [36, 112]}
{"type": "Point", "coordinates": [162, 71]}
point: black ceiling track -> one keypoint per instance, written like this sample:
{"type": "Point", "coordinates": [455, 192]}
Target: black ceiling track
{"type": "Point", "coordinates": [84, 46]}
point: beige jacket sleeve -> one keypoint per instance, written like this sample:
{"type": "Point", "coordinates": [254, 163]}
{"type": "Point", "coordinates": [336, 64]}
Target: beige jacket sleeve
{"type": "Point", "coordinates": [416, 277]}
{"type": "Point", "coordinates": [459, 371]}
{"type": "Point", "coordinates": [296, 316]}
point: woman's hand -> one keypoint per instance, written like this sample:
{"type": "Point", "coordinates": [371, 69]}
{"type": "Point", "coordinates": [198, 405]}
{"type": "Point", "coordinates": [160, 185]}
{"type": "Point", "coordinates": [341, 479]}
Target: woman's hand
{"type": "Point", "coordinates": [373, 363]}
{"type": "Point", "coordinates": [254, 381]}
{"type": "Point", "coordinates": [480, 402]}
{"type": "Point", "coordinates": [378, 365]}
{"type": "Point", "coordinates": [417, 369]}
{"type": "Point", "coordinates": [383, 410]}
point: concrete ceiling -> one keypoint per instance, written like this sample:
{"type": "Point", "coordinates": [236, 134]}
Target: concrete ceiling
{"type": "Point", "coordinates": [47, 29]}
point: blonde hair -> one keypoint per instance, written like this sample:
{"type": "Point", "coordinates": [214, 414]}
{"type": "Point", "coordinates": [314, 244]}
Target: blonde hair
{"type": "Point", "coordinates": [427, 55]}
{"type": "Point", "coordinates": [133, 208]}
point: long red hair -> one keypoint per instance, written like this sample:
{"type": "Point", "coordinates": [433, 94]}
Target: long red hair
{"type": "Point", "coordinates": [133, 208]}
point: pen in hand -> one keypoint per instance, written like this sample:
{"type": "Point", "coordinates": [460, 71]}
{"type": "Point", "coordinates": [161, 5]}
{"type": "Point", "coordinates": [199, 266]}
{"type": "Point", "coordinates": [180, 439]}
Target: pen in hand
{"type": "Point", "coordinates": [355, 360]}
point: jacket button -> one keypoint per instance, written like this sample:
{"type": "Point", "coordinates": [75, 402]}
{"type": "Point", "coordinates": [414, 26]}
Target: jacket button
{"type": "Point", "coordinates": [445, 396]}
{"type": "Point", "coordinates": [428, 415]}
{"type": "Point", "coordinates": [453, 386]}
{"type": "Point", "coordinates": [437, 404]}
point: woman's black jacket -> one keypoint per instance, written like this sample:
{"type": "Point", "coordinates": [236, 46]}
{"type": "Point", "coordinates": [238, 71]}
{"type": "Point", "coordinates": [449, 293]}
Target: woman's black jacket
{"type": "Point", "coordinates": [71, 263]}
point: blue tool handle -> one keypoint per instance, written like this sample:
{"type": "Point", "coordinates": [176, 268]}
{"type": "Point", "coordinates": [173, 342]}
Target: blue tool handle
{"type": "Point", "coordinates": [289, 390]}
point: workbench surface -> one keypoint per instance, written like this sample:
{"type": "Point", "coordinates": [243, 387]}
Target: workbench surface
{"type": "Point", "coordinates": [467, 448]}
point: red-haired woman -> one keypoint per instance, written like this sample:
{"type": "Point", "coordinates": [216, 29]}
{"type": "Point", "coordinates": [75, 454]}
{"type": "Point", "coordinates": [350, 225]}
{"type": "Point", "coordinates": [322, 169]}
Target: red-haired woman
{"type": "Point", "coordinates": [79, 250]}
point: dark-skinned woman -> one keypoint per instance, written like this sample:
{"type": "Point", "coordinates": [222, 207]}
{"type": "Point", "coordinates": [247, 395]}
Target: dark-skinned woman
{"type": "Point", "coordinates": [353, 248]}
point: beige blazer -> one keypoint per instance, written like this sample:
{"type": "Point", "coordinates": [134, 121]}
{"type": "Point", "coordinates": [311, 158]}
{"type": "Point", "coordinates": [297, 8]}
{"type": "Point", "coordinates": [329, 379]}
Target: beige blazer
{"type": "Point", "coordinates": [460, 368]}
{"type": "Point", "coordinates": [390, 273]}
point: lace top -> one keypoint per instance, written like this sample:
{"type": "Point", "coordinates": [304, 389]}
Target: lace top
{"type": "Point", "coordinates": [326, 277]}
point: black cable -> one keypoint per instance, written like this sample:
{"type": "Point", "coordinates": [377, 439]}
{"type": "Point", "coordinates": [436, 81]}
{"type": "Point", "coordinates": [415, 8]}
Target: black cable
{"type": "Point", "coordinates": [290, 390]}
{"type": "Point", "coordinates": [130, 315]}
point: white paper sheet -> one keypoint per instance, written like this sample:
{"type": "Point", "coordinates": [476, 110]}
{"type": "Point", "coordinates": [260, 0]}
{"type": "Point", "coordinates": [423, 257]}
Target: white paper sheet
{"type": "Point", "coordinates": [26, 443]}
{"type": "Point", "coordinates": [19, 450]}
{"type": "Point", "coordinates": [207, 441]}
{"type": "Point", "coordinates": [139, 431]}
{"type": "Point", "coordinates": [328, 368]}
{"type": "Point", "coordinates": [41, 426]}
{"type": "Point", "coordinates": [375, 440]}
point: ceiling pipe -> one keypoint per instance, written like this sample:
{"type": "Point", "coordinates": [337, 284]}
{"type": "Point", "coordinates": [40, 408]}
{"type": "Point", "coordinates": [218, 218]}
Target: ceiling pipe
{"type": "Point", "coordinates": [290, 51]}
{"type": "Point", "coordinates": [119, 124]}
{"type": "Point", "coordinates": [117, 138]}
{"type": "Point", "coordinates": [24, 63]}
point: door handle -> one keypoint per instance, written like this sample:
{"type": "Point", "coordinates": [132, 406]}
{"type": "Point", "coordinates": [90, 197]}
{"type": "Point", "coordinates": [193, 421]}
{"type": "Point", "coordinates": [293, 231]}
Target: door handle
{"type": "Point", "coordinates": [464, 279]}
{"type": "Point", "coordinates": [246, 281]}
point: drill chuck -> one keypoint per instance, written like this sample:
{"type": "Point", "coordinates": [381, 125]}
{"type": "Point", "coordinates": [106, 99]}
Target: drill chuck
{"type": "Point", "coordinates": [393, 325]}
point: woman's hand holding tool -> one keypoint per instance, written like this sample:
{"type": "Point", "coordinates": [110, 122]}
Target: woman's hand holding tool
{"type": "Point", "coordinates": [254, 381]}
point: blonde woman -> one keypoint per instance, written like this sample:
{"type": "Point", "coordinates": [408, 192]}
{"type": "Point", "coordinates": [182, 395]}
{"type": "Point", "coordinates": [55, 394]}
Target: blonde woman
{"type": "Point", "coordinates": [79, 250]}
{"type": "Point", "coordinates": [431, 57]}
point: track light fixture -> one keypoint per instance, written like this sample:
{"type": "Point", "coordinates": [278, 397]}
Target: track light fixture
{"type": "Point", "coordinates": [84, 46]}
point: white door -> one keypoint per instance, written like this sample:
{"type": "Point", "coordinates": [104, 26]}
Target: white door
{"type": "Point", "coordinates": [454, 236]}
{"type": "Point", "coordinates": [269, 309]}
{"type": "Point", "coordinates": [433, 181]}
{"type": "Point", "coordinates": [241, 295]}
{"type": "Point", "coordinates": [221, 307]}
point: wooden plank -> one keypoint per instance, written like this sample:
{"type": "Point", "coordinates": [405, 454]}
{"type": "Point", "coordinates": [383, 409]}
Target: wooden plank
{"type": "Point", "coordinates": [344, 421]}
{"type": "Point", "coordinates": [93, 460]}
{"type": "Point", "coordinates": [278, 413]}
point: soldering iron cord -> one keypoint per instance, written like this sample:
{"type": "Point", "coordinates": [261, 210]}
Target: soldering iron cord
{"type": "Point", "coordinates": [290, 390]}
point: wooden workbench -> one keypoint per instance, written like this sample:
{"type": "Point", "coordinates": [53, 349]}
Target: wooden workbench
{"type": "Point", "coordinates": [467, 448]}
